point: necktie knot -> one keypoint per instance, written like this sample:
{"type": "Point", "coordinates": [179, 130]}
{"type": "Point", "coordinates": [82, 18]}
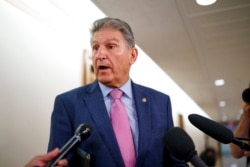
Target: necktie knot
{"type": "Point", "coordinates": [116, 93]}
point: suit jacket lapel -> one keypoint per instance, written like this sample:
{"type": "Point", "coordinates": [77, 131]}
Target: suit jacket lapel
{"type": "Point", "coordinates": [96, 105]}
{"type": "Point", "coordinates": [142, 103]}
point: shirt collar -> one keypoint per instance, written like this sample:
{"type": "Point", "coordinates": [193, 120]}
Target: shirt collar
{"type": "Point", "coordinates": [126, 88]}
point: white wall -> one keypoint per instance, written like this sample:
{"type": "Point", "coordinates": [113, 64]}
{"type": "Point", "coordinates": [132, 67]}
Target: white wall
{"type": "Point", "coordinates": [148, 73]}
{"type": "Point", "coordinates": [39, 61]}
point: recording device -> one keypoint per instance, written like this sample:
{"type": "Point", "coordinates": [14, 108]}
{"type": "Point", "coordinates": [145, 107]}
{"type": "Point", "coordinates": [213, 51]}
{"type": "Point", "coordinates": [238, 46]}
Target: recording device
{"type": "Point", "coordinates": [81, 133]}
{"type": "Point", "coordinates": [246, 95]}
{"type": "Point", "coordinates": [180, 145]}
{"type": "Point", "coordinates": [216, 131]}
{"type": "Point", "coordinates": [79, 158]}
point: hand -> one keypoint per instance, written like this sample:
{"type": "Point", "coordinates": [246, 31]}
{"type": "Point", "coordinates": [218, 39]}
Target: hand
{"type": "Point", "coordinates": [246, 109]}
{"type": "Point", "coordinates": [42, 160]}
{"type": "Point", "coordinates": [247, 153]}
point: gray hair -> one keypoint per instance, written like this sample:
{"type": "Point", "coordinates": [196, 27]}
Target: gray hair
{"type": "Point", "coordinates": [115, 23]}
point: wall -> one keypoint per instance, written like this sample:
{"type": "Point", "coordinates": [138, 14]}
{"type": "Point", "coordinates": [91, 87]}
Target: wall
{"type": "Point", "coordinates": [40, 60]}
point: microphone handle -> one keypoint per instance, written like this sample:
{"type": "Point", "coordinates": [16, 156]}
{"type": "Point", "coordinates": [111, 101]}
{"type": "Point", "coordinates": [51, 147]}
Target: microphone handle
{"type": "Point", "coordinates": [241, 144]}
{"type": "Point", "coordinates": [197, 162]}
{"type": "Point", "coordinates": [64, 150]}
{"type": "Point", "coordinates": [242, 138]}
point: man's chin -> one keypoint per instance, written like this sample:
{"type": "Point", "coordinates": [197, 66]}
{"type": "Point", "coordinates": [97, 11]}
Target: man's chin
{"type": "Point", "coordinates": [104, 80]}
{"type": "Point", "coordinates": [108, 82]}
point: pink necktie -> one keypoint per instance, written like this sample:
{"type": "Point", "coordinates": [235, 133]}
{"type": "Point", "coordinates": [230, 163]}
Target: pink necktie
{"type": "Point", "coordinates": [121, 128]}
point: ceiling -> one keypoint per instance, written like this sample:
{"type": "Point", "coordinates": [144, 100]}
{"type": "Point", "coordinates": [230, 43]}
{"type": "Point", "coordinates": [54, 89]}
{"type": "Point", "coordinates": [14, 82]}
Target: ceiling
{"type": "Point", "coordinates": [194, 45]}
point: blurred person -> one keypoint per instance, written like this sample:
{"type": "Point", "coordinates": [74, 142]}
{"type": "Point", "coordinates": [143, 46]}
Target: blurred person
{"type": "Point", "coordinates": [209, 156]}
{"type": "Point", "coordinates": [242, 130]}
{"type": "Point", "coordinates": [148, 111]}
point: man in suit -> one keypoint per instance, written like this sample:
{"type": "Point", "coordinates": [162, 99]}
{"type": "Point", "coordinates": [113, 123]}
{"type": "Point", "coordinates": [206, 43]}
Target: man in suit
{"type": "Point", "coordinates": [242, 130]}
{"type": "Point", "coordinates": [148, 111]}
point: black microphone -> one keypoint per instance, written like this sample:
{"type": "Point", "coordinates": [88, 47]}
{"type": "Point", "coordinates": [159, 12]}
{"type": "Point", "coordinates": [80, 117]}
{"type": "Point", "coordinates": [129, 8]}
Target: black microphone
{"type": "Point", "coordinates": [246, 95]}
{"type": "Point", "coordinates": [216, 131]}
{"type": "Point", "coordinates": [81, 133]}
{"type": "Point", "coordinates": [181, 146]}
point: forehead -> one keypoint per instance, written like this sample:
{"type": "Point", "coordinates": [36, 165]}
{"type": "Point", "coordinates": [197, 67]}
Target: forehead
{"type": "Point", "coordinates": [107, 34]}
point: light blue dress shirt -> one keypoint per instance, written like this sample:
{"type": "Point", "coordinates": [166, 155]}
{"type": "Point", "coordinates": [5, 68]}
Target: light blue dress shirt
{"type": "Point", "coordinates": [129, 103]}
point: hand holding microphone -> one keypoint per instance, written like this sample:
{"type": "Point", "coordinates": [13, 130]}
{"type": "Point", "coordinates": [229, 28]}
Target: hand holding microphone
{"type": "Point", "coordinates": [81, 133]}
{"type": "Point", "coordinates": [42, 160]}
{"type": "Point", "coordinates": [216, 131]}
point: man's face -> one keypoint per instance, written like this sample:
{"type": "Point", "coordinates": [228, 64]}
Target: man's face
{"type": "Point", "coordinates": [111, 57]}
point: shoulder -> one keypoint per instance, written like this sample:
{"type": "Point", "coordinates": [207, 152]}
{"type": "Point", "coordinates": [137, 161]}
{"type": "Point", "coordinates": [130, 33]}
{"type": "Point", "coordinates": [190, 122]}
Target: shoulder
{"type": "Point", "coordinates": [81, 90]}
{"type": "Point", "coordinates": [147, 90]}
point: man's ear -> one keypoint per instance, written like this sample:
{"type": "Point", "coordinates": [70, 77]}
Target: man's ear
{"type": "Point", "coordinates": [133, 55]}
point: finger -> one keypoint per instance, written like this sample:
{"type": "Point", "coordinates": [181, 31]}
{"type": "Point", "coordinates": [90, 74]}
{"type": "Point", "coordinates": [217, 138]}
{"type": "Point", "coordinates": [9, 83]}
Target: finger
{"type": "Point", "coordinates": [247, 153]}
{"type": "Point", "coordinates": [36, 162]}
{"type": "Point", "coordinates": [62, 163]}
{"type": "Point", "coordinates": [50, 155]}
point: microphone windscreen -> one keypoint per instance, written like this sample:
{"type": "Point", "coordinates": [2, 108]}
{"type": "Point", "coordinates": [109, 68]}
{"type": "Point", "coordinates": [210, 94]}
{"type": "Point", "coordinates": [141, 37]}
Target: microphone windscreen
{"type": "Point", "coordinates": [246, 95]}
{"type": "Point", "coordinates": [211, 128]}
{"type": "Point", "coordinates": [83, 130]}
{"type": "Point", "coordinates": [179, 144]}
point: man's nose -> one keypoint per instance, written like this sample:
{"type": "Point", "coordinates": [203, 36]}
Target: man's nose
{"type": "Point", "coordinates": [102, 53]}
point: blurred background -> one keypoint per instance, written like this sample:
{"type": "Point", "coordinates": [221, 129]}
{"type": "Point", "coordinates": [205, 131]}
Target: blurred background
{"type": "Point", "coordinates": [196, 45]}
{"type": "Point", "coordinates": [197, 54]}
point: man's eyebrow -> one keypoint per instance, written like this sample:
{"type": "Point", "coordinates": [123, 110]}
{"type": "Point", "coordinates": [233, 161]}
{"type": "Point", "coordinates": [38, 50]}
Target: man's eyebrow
{"type": "Point", "coordinates": [108, 40]}
{"type": "Point", "coordinates": [112, 39]}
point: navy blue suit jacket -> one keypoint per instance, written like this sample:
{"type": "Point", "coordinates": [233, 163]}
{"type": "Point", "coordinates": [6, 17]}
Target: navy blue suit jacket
{"type": "Point", "coordinates": [86, 105]}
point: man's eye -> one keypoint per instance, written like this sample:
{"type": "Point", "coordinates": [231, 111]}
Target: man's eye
{"type": "Point", "coordinates": [111, 46]}
{"type": "Point", "coordinates": [95, 48]}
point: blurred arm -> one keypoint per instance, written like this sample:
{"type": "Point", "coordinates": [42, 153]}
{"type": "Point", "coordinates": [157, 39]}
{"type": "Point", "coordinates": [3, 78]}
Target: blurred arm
{"type": "Point", "coordinates": [242, 130]}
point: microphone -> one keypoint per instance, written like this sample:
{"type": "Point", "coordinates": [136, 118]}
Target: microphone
{"type": "Point", "coordinates": [216, 131]}
{"type": "Point", "coordinates": [181, 146]}
{"type": "Point", "coordinates": [82, 132]}
{"type": "Point", "coordinates": [246, 95]}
